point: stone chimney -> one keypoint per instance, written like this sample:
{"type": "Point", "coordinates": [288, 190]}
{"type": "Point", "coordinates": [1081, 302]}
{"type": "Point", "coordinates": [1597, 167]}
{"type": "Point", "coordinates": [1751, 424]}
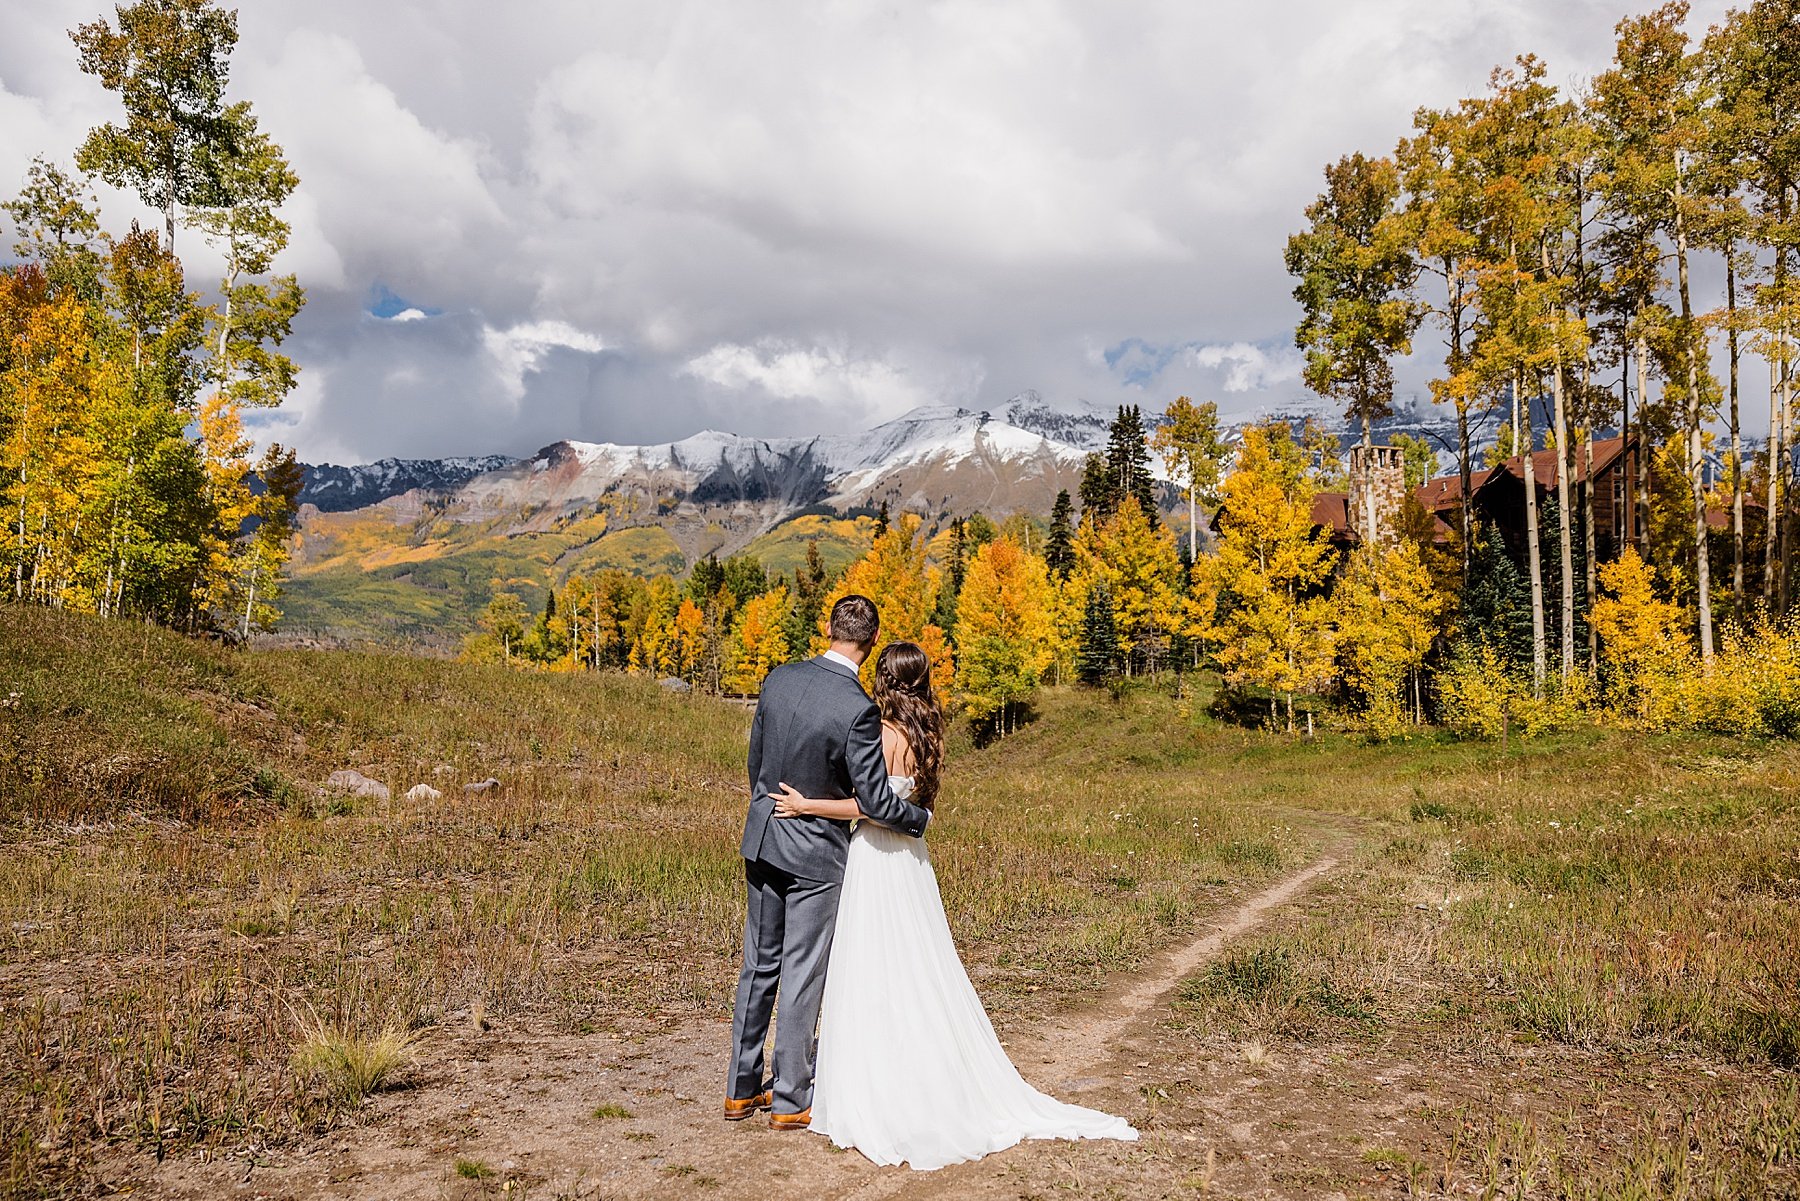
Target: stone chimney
{"type": "Point", "coordinates": [1377, 487]}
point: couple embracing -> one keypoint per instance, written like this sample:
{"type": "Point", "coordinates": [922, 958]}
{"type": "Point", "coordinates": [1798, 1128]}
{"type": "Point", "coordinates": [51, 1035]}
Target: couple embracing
{"type": "Point", "coordinates": [909, 1069]}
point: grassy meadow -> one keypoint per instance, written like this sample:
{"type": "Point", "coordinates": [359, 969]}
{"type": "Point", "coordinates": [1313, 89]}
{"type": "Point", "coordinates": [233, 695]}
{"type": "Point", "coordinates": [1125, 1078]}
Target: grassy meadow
{"type": "Point", "coordinates": [204, 950]}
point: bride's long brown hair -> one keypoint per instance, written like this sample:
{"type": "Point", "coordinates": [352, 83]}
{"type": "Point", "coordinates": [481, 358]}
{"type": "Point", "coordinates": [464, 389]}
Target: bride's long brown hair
{"type": "Point", "coordinates": [904, 695]}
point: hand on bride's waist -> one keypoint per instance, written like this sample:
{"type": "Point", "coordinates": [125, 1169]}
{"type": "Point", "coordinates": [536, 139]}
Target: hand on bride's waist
{"type": "Point", "coordinates": [791, 803]}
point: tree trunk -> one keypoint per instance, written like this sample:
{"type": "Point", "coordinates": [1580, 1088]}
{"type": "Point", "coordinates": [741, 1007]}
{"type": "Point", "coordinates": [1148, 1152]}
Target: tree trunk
{"type": "Point", "coordinates": [1774, 455]}
{"type": "Point", "coordinates": [1464, 452]}
{"type": "Point", "coordinates": [1590, 585]}
{"type": "Point", "coordinates": [1566, 543]}
{"type": "Point", "coordinates": [1193, 518]}
{"type": "Point", "coordinates": [1371, 534]}
{"type": "Point", "coordinates": [1778, 511]}
{"type": "Point", "coordinates": [1787, 444]}
{"type": "Point", "coordinates": [1643, 444]}
{"type": "Point", "coordinates": [1466, 466]}
{"type": "Point", "coordinates": [1534, 560]}
{"type": "Point", "coordinates": [1737, 446]}
{"type": "Point", "coordinates": [250, 600]}
{"type": "Point", "coordinates": [1696, 448]}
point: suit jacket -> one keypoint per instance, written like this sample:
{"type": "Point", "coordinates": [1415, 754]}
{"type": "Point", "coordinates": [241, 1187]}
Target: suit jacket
{"type": "Point", "coordinates": [816, 729]}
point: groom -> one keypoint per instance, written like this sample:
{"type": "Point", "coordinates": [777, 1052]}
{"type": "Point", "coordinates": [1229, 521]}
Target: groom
{"type": "Point", "coordinates": [818, 730]}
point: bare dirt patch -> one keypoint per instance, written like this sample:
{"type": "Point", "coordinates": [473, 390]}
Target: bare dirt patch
{"type": "Point", "coordinates": [511, 1111]}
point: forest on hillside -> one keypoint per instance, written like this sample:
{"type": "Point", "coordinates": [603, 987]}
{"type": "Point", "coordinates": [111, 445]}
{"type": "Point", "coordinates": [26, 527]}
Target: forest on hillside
{"type": "Point", "coordinates": [1550, 236]}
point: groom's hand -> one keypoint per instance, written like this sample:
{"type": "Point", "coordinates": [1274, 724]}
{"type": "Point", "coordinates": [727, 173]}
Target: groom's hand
{"type": "Point", "coordinates": [788, 803]}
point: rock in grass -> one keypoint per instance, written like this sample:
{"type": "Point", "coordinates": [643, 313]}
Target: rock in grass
{"type": "Point", "coordinates": [356, 784]}
{"type": "Point", "coordinates": [422, 792]}
{"type": "Point", "coordinates": [487, 785]}
{"type": "Point", "coordinates": [674, 684]}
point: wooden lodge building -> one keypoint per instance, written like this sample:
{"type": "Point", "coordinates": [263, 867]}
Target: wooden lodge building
{"type": "Point", "coordinates": [1496, 495]}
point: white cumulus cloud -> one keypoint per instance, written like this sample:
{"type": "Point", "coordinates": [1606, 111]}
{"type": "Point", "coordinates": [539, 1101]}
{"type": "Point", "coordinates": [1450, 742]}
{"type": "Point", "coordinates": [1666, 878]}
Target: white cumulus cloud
{"type": "Point", "coordinates": [520, 349]}
{"type": "Point", "coordinates": [1246, 367]}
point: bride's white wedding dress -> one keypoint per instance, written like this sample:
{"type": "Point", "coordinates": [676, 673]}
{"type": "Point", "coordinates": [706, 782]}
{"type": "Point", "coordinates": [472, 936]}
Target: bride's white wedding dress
{"type": "Point", "coordinates": [909, 1068]}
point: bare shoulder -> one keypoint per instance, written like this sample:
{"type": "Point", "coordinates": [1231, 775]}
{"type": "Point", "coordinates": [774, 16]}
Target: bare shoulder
{"type": "Point", "coordinates": [896, 748]}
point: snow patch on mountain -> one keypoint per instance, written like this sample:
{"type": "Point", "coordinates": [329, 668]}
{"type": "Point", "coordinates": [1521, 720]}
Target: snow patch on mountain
{"type": "Point", "coordinates": [334, 489]}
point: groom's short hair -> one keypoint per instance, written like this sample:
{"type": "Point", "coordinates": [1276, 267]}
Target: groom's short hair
{"type": "Point", "coordinates": [854, 619]}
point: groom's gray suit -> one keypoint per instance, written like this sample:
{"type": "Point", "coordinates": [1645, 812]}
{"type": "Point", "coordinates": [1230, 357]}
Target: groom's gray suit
{"type": "Point", "coordinates": [817, 730]}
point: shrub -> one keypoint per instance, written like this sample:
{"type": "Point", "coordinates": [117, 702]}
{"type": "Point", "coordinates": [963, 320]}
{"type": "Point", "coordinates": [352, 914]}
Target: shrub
{"type": "Point", "coordinates": [1478, 694]}
{"type": "Point", "coordinates": [351, 1065]}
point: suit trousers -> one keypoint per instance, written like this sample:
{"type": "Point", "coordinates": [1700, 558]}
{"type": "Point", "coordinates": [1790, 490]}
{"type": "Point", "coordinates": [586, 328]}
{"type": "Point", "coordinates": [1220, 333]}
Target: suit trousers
{"type": "Point", "coordinates": [787, 943]}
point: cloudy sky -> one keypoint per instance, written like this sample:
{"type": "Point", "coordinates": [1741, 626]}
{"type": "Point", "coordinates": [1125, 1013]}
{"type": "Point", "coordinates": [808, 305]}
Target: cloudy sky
{"type": "Point", "coordinates": [628, 221]}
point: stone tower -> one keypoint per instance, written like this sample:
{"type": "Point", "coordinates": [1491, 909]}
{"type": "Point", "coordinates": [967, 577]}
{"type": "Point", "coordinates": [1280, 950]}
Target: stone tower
{"type": "Point", "coordinates": [1377, 487]}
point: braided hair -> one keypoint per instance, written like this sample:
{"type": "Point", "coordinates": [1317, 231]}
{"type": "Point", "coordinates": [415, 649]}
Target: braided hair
{"type": "Point", "coordinates": [904, 695]}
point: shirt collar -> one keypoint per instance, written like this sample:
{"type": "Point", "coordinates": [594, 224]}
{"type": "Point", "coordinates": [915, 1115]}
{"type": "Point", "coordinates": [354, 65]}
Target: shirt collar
{"type": "Point", "coordinates": [834, 657]}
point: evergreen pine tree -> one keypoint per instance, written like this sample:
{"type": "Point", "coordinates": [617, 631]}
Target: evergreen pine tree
{"type": "Point", "coordinates": [881, 520]}
{"type": "Point", "coordinates": [1099, 499]}
{"type": "Point", "coordinates": [1099, 654]}
{"type": "Point", "coordinates": [705, 580]}
{"type": "Point", "coordinates": [1128, 460]}
{"type": "Point", "coordinates": [809, 591]}
{"type": "Point", "coordinates": [1496, 605]}
{"type": "Point", "coordinates": [1549, 525]}
{"type": "Point", "coordinates": [954, 569]}
{"type": "Point", "coordinates": [1059, 552]}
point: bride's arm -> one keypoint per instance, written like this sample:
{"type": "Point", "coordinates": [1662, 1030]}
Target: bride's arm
{"type": "Point", "coordinates": [789, 803]}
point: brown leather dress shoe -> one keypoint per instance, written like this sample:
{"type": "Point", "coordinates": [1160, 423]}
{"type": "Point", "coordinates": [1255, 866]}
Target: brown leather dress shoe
{"type": "Point", "coordinates": [737, 1111]}
{"type": "Point", "coordinates": [791, 1121]}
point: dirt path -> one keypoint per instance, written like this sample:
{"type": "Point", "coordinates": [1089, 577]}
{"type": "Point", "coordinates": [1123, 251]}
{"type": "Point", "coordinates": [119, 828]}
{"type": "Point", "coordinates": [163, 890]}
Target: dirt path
{"type": "Point", "coordinates": [512, 1112]}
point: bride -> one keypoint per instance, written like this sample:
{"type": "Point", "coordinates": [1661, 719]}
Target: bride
{"type": "Point", "coordinates": [909, 1068]}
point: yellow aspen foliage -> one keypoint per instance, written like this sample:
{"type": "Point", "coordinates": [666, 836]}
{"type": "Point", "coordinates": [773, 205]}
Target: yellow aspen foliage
{"type": "Point", "coordinates": [689, 642]}
{"type": "Point", "coordinates": [1005, 630]}
{"type": "Point", "coordinates": [1387, 610]}
{"type": "Point", "coordinates": [224, 451]}
{"type": "Point", "coordinates": [50, 482]}
{"type": "Point", "coordinates": [893, 575]}
{"type": "Point", "coordinates": [1645, 645]}
{"type": "Point", "coordinates": [654, 638]}
{"type": "Point", "coordinates": [1066, 604]}
{"type": "Point", "coordinates": [1136, 560]}
{"type": "Point", "coordinates": [1274, 631]}
{"type": "Point", "coordinates": [758, 642]}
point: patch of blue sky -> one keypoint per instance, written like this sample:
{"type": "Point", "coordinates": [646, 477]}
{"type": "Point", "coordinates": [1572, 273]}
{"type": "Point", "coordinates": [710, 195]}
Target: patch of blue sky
{"type": "Point", "coordinates": [389, 305]}
{"type": "Point", "coordinates": [1138, 362]}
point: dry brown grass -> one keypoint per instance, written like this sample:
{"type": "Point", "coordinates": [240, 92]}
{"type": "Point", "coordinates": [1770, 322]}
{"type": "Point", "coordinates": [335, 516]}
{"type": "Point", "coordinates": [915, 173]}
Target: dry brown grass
{"type": "Point", "coordinates": [158, 940]}
{"type": "Point", "coordinates": [174, 889]}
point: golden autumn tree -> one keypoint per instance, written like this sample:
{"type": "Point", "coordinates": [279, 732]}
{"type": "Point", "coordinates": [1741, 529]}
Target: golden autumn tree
{"type": "Point", "coordinates": [758, 642]}
{"type": "Point", "coordinates": [1645, 644]}
{"type": "Point", "coordinates": [1005, 629]}
{"type": "Point", "coordinates": [1135, 561]}
{"type": "Point", "coordinates": [53, 487]}
{"type": "Point", "coordinates": [1387, 609]}
{"type": "Point", "coordinates": [687, 645]}
{"type": "Point", "coordinates": [1273, 626]}
{"type": "Point", "coordinates": [894, 575]}
{"type": "Point", "coordinates": [655, 641]}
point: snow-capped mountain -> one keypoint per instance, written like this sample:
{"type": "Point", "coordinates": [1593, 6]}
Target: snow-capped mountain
{"type": "Point", "coordinates": [1084, 428]}
{"type": "Point", "coordinates": [412, 551]}
{"type": "Point", "coordinates": [931, 459]}
{"type": "Point", "coordinates": [333, 489]}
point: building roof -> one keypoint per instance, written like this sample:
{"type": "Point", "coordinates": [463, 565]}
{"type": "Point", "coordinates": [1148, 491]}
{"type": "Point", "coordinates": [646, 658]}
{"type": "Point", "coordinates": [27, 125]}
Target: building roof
{"type": "Point", "coordinates": [1545, 464]}
{"type": "Point", "coordinates": [1445, 492]}
{"type": "Point", "coordinates": [1331, 511]}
